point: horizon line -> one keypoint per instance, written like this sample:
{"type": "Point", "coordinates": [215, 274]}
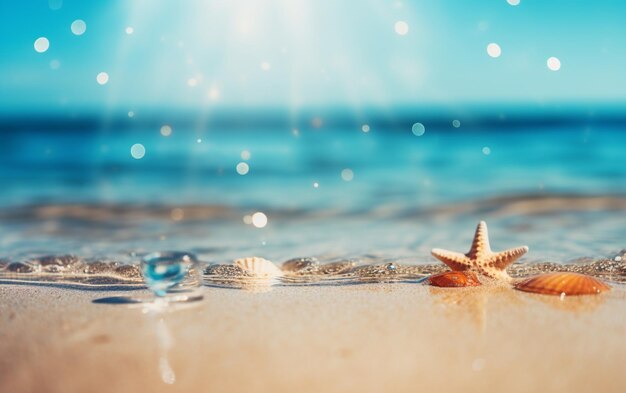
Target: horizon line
{"type": "Point", "coordinates": [480, 116]}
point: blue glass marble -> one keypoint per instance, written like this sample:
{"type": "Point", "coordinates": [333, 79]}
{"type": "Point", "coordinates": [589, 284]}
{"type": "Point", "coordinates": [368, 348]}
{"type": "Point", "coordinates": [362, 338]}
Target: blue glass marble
{"type": "Point", "coordinates": [164, 270]}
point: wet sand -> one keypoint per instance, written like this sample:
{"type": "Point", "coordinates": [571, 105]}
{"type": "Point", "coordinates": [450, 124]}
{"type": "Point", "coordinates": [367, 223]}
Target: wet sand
{"type": "Point", "coordinates": [368, 338]}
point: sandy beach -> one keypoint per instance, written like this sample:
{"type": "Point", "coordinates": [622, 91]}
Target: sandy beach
{"type": "Point", "coordinates": [400, 337]}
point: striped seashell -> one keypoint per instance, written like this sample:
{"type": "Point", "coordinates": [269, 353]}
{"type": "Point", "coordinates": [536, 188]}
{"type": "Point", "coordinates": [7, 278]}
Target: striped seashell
{"type": "Point", "coordinates": [259, 267]}
{"type": "Point", "coordinates": [559, 283]}
{"type": "Point", "coordinates": [454, 279]}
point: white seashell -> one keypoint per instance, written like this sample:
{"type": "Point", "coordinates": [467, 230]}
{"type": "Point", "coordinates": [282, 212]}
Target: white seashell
{"type": "Point", "coordinates": [258, 267]}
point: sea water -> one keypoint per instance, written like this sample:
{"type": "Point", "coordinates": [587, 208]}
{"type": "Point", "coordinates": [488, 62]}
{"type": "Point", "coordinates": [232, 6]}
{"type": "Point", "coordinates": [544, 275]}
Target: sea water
{"type": "Point", "coordinates": [331, 193]}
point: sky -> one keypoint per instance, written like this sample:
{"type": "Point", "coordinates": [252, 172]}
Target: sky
{"type": "Point", "coordinates": [309, 53]}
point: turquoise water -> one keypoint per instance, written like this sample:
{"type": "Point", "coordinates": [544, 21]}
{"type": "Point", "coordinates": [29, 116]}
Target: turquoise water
{"type": "Point", "coordinates": [329, 192]}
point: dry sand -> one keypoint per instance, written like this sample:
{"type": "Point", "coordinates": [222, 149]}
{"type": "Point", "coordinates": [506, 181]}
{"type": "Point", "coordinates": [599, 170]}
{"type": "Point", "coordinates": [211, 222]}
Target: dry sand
{"type": "Point", "coordinates": [365, 338]}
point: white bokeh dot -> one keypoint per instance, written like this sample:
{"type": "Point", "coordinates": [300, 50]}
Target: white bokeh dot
{"type": "Point", "coordinates": [347, 174]}
{"type": "Point", "coordinates": [456, 123]}
{"type": "Point", "coordinates": [259, 219]}
{"type": "Point", "coordinates": [41, 44]}
{"type": "Point", "coordinates": [554, 64]}
{"type": "Point", "coordinates": [265, 66]}
{"type": "Point", "coordinates": [418, 129]}
{"type": "Point", "coordinates": [245, 155]}
{"type": "Point", "coordinates": [55, 4]}
{"type": "Point", "coordinates": [137, 151]}
{"type": "Point", "coordinates": [78, 27]}
{"type": "Point", "coordinates": [166, 130]}
{"type": "Point", "coordinates": [486, 150]}
{"type": "Point", "coordinates": [102, 78]}
{"type": "Point", "coordinates": [513, 2]}
{"type": "Point", "coordinates": [129, 30]}
{"type": "Point", "coordinates": [243, 168]}
{"type": "Point", "coordinates": [401, 27]}
{"type": "Point", "coordinates": [365, 128]}
{"type": "Point", "coordinates": [214, 93]}
{"type": "Point", "coordinates": [494, 50]}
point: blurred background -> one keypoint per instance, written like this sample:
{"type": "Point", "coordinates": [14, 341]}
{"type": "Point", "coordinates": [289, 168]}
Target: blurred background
{"type": "Point", "coordinates": [370, 129]}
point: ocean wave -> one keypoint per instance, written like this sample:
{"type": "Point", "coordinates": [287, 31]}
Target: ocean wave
{"type": "Point", "coordinates": [508, 205]}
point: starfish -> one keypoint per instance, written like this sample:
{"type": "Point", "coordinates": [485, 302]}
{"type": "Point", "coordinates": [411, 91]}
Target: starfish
{"type": "Point", "coordinates": [480, 257]}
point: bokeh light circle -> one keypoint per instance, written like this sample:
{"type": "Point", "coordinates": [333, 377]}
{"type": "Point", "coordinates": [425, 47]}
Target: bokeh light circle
{"type": "Point", "coordinates": [243, 168]}
{"type": "Point", "coordinates": [347, 174]}
{"type": "Point", "coordinates": [418, 129]}
{"type": "Point", "coordinates": [102, 78]}
{"type": "Point", "coordinates": [494, 50]}
{"type": "Point", "coordinates": [166, 130]}
{"type": "Point", "coordinates": [401, 27]}
{"type": "Point", "coordinates": [554, 64]}
{"type": "Point", "coordinates": [41, 44]}
{"type": "Point", "coordinates": [55, 4]}
{"type": "Point", "coordinates": [137, 151]}
{"type": "Point", "coordinates": [259, 220]}
{"type": "Point", "coordinates": [78, 27]}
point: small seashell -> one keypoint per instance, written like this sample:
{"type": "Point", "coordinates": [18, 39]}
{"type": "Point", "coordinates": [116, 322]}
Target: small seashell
{"type": "Point", "coordinates": [559, 283]}
{"type": "Point", "coordinates": [454, 279]}
{"type": "Point", "coordinates": [258, 267]}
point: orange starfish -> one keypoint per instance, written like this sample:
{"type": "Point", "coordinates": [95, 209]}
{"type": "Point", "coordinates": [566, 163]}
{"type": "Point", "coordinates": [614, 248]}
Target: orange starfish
{"type": "Point", "coordinates": [480, 257]}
